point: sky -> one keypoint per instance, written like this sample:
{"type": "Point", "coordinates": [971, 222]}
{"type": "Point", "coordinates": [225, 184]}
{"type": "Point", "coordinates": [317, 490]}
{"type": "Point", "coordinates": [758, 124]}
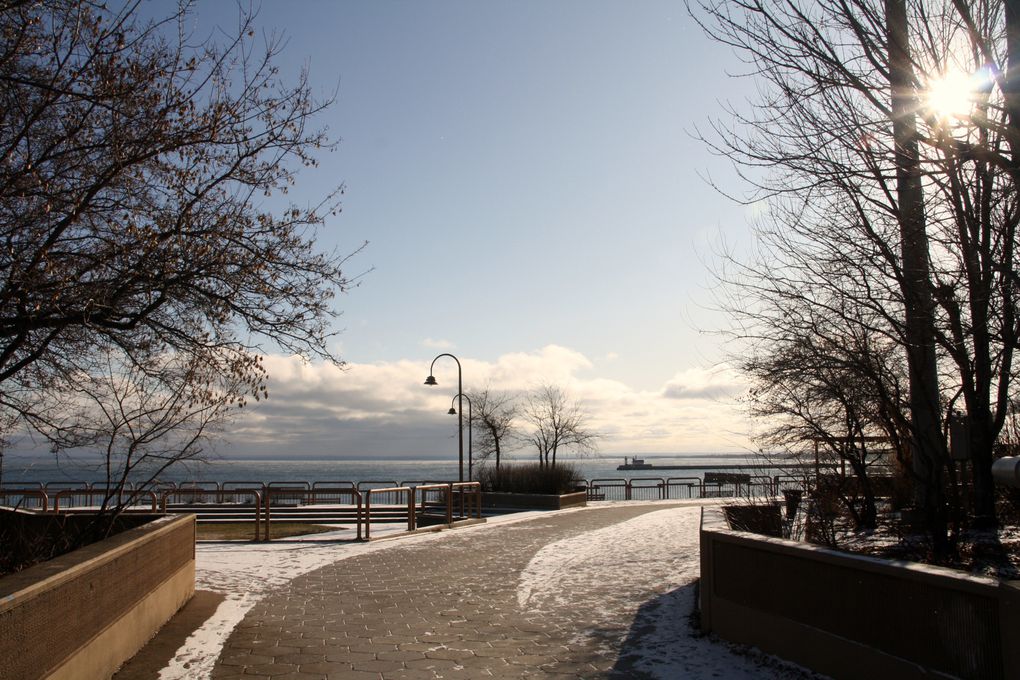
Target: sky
{"type": "Point", "coordinates": [534, 200]}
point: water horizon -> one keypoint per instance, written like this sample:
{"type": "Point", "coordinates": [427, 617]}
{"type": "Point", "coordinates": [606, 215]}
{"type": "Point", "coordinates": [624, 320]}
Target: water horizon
{"type": "Point", "coordinates": [83, 468]}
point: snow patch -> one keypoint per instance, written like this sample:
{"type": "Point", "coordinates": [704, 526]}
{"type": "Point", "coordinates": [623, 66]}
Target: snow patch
{"type": "Point", "coordinates": [635, 581]}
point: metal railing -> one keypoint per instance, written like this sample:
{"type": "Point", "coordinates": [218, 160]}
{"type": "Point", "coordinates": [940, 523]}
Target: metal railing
{"type": "Point", "coordinates": [86, 498]}
{"type": "Point", "coordinates": [468, 492]}
{"type": "Point", "coordinates": [290, 492]}
{"type": "Point", "coordinates": [368, 501]}
{"type": "Point", "coordinates": [681, 488]}
{"type": "Point", "coordinates": [16, 497]}
{"type": "Point", "coordinates": [391, 497]}
{"type": "Point", "coordinates": [391, 492]}
{"type": "Point", "coordinates": [256, 496]}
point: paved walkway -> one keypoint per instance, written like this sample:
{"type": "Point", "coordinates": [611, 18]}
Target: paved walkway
{"type": "Point", "coordinates": [602, 592]}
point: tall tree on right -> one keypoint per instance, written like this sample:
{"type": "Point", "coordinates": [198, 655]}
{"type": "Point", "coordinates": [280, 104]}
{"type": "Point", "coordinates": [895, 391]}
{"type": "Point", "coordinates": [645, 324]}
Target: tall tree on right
{"type": "Point", "coordinates": [887, 201]}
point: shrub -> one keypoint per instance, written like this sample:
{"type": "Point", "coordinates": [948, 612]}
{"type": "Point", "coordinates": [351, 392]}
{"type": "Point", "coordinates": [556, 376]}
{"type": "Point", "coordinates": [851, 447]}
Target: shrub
{"type": "Point", "coordinates": [531, 478]}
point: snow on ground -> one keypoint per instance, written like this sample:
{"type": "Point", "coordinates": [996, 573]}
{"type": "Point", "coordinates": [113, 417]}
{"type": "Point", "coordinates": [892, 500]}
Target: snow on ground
{"type": "Point", "coordinates": [652, 559]}
{"type": "Point", "coordinates": [655, 554]}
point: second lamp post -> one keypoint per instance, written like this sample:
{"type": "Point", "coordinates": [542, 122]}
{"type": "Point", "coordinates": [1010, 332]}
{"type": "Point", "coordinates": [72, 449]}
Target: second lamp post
{"type": "Point", "coordinates": [471, 439]}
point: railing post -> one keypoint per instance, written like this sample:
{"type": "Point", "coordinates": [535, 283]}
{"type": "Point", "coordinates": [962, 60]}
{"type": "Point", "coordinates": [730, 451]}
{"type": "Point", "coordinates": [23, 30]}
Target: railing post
{"type": "Point", "coordinates": [368, 514]}
{"type": "Point", "coordinates": [357, 495]}
{"type": "Point", "coordinates": [449, 504]}
{"type": "Point", "coordinates": [626, 492]}
{"type": "Point", "coordinates": [269, 496]}
{"type": "Point", "coordinates": [410, 509]}
{"type": "Point", "coordinates": [258, 514]}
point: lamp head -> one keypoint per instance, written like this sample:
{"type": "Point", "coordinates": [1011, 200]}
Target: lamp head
{"type": "Point", "coordinates": [452, 411]}
{"type": "Point", "coordinates": [431, 380]}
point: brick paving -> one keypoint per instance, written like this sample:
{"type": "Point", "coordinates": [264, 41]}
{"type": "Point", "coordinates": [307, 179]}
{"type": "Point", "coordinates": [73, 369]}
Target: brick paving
{"type": "Point", "coordinates": [446, 608]}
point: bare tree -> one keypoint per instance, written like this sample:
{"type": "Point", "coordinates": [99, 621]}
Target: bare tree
{"type": "Point", "coordinates": [144, 221]}
{"type": "Point", "coordinates": [144, 421]}
{"type": "Point", "coordinates": [495, 414]}
{"type": "Point", "coordinates": [833, 392]}
{"type": "Point", "coordinates": [557, 422]}
{"type": "Point", "coordinates": [896, 208]}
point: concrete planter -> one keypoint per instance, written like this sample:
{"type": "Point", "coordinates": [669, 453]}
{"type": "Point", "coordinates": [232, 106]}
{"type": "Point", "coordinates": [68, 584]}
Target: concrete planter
{"type": "Point", "coordinates": [83, 614]}
{"type": "Point", "coordinates": [852, 616]}
{"type": "Point", "coordinates": [534, 501]}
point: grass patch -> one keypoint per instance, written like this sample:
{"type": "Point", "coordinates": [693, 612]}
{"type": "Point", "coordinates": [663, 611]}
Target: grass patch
{"type": "Point", "coordinates": [245, 531]}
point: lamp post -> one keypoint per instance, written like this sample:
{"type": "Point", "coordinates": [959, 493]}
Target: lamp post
{"type": "Point", "coordinates": [471, 438]}
{"type": "Point", "coordinates": [460, 416]}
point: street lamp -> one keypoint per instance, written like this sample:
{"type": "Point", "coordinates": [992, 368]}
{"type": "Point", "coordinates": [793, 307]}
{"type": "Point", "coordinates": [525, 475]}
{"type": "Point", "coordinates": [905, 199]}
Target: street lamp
{"type": "Point", "coordinates": [431, 380]}
{"type": "Point", "coordinates": [471, 438]}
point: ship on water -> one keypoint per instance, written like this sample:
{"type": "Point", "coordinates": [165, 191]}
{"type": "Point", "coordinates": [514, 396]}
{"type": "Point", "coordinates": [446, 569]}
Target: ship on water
{"type": "Point", "coordinates": [634, 464]}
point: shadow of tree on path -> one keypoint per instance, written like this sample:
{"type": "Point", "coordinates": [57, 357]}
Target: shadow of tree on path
{"type": "Point", "coordinates": [665, 641]}
{"type": "Point", "coordinates": [642, 650]}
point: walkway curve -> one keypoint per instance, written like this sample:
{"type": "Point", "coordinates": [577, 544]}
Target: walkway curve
{"type": "Point", "coordinates": [602, 592]}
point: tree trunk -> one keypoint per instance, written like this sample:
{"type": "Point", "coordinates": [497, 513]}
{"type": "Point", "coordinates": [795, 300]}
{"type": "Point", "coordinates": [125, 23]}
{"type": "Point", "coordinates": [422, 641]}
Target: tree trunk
{"type": "Point", "coordinates": [929, 448]}
{"type": "Point", "coordinates": [868, 516]}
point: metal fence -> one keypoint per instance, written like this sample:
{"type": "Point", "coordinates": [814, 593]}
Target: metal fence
{"type": "Point", "coordinates": [681, 488]}
{"type": "Point", "coordinates": [359, 503]}
{"type": "Point", "coordinates": [297, 493]}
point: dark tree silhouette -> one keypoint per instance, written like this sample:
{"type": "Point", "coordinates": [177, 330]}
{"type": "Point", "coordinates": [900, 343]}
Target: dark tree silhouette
{"type": "Point", "coordinates": [884, 210]}
{"type": "Point", "coordinates": [557, 422]}
{"type": "Point", "coordinates": [495, 414]}
{"type": "Point", "coordinates": [143, 216]}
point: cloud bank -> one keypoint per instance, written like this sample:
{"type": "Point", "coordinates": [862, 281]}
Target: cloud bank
{"type": "Point", "coordinates": [384, 409]}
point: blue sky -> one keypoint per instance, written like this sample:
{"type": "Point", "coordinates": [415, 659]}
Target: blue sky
{"type": "Point", "coordinates": [534, 201]}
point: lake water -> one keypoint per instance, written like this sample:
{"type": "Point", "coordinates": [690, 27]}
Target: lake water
{"type": "Point", "coordinates": [44, 469]}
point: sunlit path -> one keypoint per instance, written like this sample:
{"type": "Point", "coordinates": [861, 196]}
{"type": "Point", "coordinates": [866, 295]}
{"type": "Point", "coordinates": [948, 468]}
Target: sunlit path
{"type": "Point", "coordinates": [600, 592]}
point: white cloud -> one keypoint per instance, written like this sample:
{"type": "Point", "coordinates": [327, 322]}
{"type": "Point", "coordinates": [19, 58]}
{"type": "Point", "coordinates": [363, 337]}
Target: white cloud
{"type": "Point", "coordinates": [437, 344]}
{"type": "Point", "coordinates": [384, 407]}
{"type": "Point", "coordinates": [718, 383]}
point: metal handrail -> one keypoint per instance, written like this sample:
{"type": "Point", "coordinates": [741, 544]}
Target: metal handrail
{"type": "Point", "coordinates": [289, 485]}
{"type": "Point", "coordinates": [392, 489]}
{"type": "Point", "coordinates": [212, 488]}
{"type": "Point", "coordinates": [660, 484]}
{"type": "Point", "coordinates": [242, 485]}
{"type": "Point", "coordinates": [306, 493]}
{"type": "Point", "coordinates": [599, 483]}
{"type": "Point", "coordinates": [447, 489]}
{"type": "Point", "coordinates": [93, 491]}
{"type": "Point", "coordinates": [477, 486]}
{"type": "Point", "coordinates": [256, 495]}
{"type": "Point", "coordinates": [392, 484]}
{"type": "Point", "coordinates": [689, 482]}
{"type": "Point", "coordinates": [35, 493]}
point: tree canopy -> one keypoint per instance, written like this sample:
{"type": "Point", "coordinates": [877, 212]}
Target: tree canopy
{"type": "Point", "coordinates": [143, 214]}
{"type": "Point", "coordinates": [892, 219]}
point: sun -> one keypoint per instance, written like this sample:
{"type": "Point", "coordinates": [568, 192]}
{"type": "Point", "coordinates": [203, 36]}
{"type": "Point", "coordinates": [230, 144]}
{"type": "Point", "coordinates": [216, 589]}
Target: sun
{"type": "Point", "coordinates": [951, 95]}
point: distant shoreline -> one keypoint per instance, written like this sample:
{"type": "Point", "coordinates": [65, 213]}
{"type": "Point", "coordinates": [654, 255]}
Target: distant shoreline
{"type": "Point", "coordinates": [728, 466]}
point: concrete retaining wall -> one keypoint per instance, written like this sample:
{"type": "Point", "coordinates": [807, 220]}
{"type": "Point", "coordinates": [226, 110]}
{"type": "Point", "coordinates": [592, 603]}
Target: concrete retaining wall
{"type": "Point", "coordinates": [83, 614]}
{"type": "Point", "coordinates": [851, 616]}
